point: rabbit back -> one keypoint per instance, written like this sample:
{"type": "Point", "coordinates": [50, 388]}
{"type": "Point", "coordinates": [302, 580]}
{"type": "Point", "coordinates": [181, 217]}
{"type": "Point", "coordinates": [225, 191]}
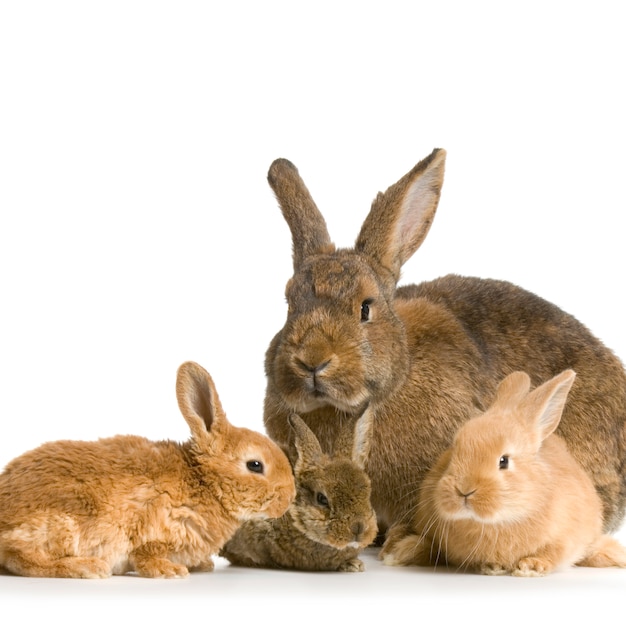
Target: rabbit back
{"type": "Point", "coordinates": [95, 501]}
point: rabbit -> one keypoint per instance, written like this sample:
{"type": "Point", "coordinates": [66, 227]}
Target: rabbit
{"type": "Point", "coordinates": [507, 497]}
{"type": "Point", "coordinates": [425, 357]}
{"type": "Point", "coordinates": [331, 520]}
{"type": "Point", "coordinates": [80, 509]}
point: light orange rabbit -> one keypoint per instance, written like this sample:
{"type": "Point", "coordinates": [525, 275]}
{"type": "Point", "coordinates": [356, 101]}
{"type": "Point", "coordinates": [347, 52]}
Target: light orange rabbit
{"type": "Point", "coordinates": [507, 497]}
{"type": "Point", "coordinates": [81, 509]}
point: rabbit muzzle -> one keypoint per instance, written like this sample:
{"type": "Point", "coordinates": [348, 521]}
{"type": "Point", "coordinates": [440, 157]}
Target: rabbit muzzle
{"type": "Point", "coordinates": [317, 370]}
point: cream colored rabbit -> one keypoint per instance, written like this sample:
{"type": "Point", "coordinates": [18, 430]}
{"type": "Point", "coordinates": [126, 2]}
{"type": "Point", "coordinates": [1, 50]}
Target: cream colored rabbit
{"type": "Point", "coordinates": [424, 357]}
{"type": "Point", "coordinates": [80, 509]}
{"type": "Point", "coordinates": [507, 497]}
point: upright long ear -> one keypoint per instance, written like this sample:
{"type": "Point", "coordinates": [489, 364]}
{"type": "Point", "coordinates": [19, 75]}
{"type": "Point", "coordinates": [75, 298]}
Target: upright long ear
{"type": "Point", "coordinates": [544, 405]}
{"type": "Point", "coordinates": [309, 232]}
{"type": "Point", "coordinates": [400, 218]}
{"type": "Point", "coordinates": [355, 438]}
{"type": "Point", "coordinates": [199, 403]}
{"type": "Point", "coordinates": [307, 444]}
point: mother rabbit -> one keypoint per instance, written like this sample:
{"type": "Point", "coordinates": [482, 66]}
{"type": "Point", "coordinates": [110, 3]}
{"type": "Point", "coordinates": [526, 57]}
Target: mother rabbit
{"type": "Point", "coordinates": [424, 357]}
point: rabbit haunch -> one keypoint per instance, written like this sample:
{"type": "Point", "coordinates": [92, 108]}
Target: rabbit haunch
{"type": "Point", "coordinates": [425, 357]}
{"type": "Point", "coordinates": [89, 509]}
{"type": "Point", "coordinates": [507, 497]}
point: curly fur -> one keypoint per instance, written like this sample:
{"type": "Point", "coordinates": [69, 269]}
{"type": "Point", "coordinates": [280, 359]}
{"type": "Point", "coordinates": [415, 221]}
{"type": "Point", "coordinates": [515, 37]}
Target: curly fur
{"type": "Point", "coordinates": [82, 509]}
{"type": "Point", "coordinates": [424, 357]}
{"type": "Point", "coordinates": [331, 519]}
{"type": "Point", "coordinates": [507, 496]}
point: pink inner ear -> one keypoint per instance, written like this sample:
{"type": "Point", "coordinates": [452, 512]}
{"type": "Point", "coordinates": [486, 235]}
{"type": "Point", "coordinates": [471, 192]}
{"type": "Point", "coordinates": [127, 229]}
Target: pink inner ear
{"type": "Point", "coordinates": [417, 214]}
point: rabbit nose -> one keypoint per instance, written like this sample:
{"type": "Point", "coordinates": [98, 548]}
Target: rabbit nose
{"type": "Point", "coordinates": [313, 369]}
{"type": "Point", "coordinates": [357, 529]}
{"type": "Point", "coordinates": [465, 495]}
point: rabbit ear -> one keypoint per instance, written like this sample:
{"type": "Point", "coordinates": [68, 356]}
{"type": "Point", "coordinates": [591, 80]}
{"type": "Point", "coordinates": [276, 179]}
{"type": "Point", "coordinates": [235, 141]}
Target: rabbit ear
{"type": "Point", "coordinates": [355, 437]}
{"type": "Point", "coordinates": [363, 437]}
{"type": "Point", "coordinates": [545, 404]}
{"type": "Point", "coordinates": [307, 444]}
{"type": "Point", "coordinates": [198, 401]}
{"type": "Point", "coordinates": [400, 218]}
{"type": "Point", "coordinates": [512, 390]}
{"type": "Point", "coordinates": [309, 232]}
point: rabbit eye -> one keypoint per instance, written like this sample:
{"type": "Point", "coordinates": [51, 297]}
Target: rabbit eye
{"type": "Point", "coordinates": [255, 466]}
{"type": "Point", "coordinates": [322, 500]}
{"type": "Point", "coordinates": [504, 462]}
{"type": "Point", "coordinates": [365, 310]}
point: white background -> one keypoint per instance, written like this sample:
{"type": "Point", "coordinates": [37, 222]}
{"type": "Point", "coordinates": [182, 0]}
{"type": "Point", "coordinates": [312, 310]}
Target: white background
{"type": "Point", "coordinates": [137, 229]}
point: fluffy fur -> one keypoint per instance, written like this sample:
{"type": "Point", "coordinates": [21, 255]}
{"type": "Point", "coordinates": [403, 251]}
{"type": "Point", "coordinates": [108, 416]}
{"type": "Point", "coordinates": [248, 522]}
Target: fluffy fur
{"type": "Point", "coordinates": [80, 509]}
{"type": "Point", "coordinates": [425, 357]}
{"type": "Point", "coordinates": [331, 519]}
{"type": "Point", "coordinates": [507, 497]}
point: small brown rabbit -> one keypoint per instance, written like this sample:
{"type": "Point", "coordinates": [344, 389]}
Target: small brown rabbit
{"type": "Point", "coordinates": [425, 357]}
{"type": "Point", "coordinates": [77, 509]}
{"type": "Point", "coordinates": [331, 519]}
{"type": "Point", "coordinates": [507, 497]}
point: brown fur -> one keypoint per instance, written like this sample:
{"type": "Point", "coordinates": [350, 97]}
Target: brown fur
{"type": "Point", "coordinates": [538, 512]}
{"type": "Point", "coordinates": [314, 535]}
{"type": "Point", "coordinates": [429, 356]}
{"type": "Point", "coordinates": [82, 509]}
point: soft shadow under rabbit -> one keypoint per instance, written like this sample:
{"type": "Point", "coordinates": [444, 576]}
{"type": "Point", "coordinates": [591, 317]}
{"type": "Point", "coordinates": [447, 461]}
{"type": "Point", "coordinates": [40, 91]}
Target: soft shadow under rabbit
{"type": "Point", "coordinates": [507, 497]}
{"type": "Point", "coordinates": [425, 357]}
{"type": "Point", "coordinates": [331, 519]}
{"type": "Point", "coordinates": [80, 509]}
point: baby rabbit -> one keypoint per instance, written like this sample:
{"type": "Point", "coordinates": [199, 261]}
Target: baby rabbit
{"type": "Point", "coordinates": [78, 509]}
{"type": "Point", "coordinates": [331, 519]}
{"type": "Point", "coordinates": [507, 497]}
{"type": "Point", "coordinates": [426, 357]}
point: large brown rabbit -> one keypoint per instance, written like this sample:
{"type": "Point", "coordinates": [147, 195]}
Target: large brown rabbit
{"type": "Point", "coordinates": [425, 357]}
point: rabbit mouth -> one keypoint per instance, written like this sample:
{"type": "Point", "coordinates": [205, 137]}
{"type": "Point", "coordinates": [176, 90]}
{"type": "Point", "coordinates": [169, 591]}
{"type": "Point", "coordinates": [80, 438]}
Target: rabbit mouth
{"type": "Point", "coordinates": [309, 401]}
{"type": "Point", "coordinates": [315, 392]}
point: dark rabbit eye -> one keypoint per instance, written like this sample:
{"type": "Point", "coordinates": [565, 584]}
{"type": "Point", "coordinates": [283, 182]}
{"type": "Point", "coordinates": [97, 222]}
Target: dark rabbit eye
{"type": "Point", "coordinates": [255, 466]}
{"type": "Point", "coordinates": [322, 500]}
{"type": "Point", "coordinates": [365, 310]}
{"type": "Point", "coordinates": [504, 462]}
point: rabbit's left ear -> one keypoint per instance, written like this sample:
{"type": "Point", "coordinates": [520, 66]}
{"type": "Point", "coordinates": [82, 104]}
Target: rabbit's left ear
{"type": "Point", "coordinates": [307, 444]}
{"type": "Point", "coordinates": [544, 405]}
{"type": "Point", "coordinates": [200, 404]}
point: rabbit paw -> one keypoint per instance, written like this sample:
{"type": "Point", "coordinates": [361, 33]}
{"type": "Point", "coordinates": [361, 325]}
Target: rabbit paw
{"type": "Point", "coordinates": [161, 568]}
{"type": "Point", "coordinates": [206, 566]}
{"type": "Point", "coordinates": [532, 566]}
{"type": "Point", "coordinates": [82, 567]}
{"type": "Point", "coordinates": [353, 565]}
{"type": "Point", "coordinates": [493, 569]}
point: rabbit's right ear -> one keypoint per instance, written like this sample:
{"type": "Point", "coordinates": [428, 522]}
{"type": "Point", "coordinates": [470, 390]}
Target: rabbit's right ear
{"type": "Point", "coordinates": [199, 403]}
{"type": "Point", "coordinates": [400, 218]}
{"type": "Point", "coordinates": [309, 232]}
{"type": "Point", "coordinates": [307, 444]}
